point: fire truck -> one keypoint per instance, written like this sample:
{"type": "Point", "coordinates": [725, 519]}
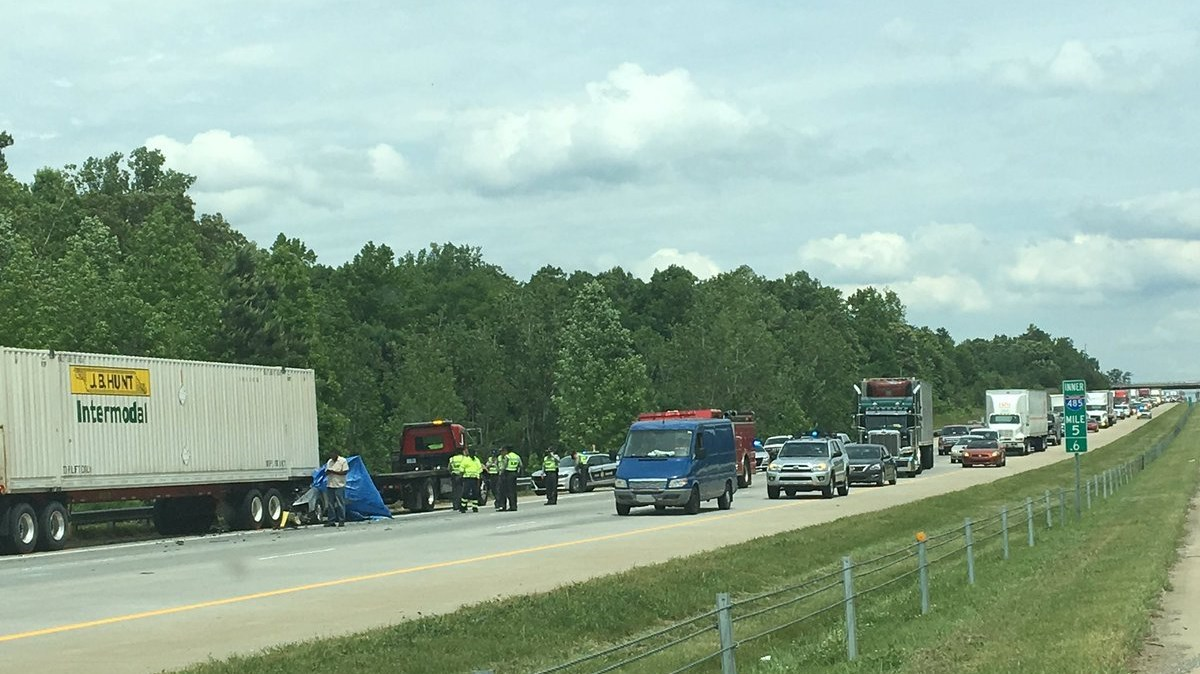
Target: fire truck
{"type": "Point", "coordinates": [743, 432]}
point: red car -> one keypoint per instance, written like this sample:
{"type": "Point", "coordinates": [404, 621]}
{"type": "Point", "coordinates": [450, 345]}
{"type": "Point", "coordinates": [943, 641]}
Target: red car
{"type": "Point", "coordinates": [1093, 426]}
{"type": "Point", "coordinates": [983, 452]}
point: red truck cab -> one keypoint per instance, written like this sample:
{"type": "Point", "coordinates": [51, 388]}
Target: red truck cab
{"type": "Point", "coordinates": [744, 433]}
{"type": "Point", "coordinates": [428, 444]}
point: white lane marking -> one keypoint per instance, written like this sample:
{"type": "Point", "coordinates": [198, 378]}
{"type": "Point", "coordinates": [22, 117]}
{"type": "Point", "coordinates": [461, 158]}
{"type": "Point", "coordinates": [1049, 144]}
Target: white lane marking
{"type": "Point", "coordinates": [515, 525]}
{"type": "Point", "coordinates": [295, 554]}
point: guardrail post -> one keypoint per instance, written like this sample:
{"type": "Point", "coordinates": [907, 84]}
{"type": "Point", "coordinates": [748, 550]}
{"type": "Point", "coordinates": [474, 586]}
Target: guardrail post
{"type": "Point", "coordinates": [1029, 518]}
{"type": "Point", "coordinates": [1090, 482]}
{"type": "Point", "coordinates": [725, 631]}
{"type": "Point", "coordinates": [1004, 530]}
{"type": "Point", "coordinates": [1104, 487]}
{"type": "Point", "coordinates": [1062, 506]}
{"type": "Point", "coordinates": [970, 551]}
{"type": "Point", "coordinates": [851, 621]}
{"type": "Point", "coordinates": [923, 566]}
{"type": "Point", "coordinates": [1049, 515]}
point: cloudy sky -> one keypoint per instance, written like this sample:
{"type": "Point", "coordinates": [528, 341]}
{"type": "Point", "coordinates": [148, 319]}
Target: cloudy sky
{"type": "Point", "coordinates": [996, 164]}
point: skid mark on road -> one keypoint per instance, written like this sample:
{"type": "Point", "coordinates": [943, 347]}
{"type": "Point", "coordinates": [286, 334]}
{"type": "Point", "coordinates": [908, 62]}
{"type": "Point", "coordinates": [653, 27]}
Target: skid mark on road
{"type": "Point", "coordinates": [385, 574]}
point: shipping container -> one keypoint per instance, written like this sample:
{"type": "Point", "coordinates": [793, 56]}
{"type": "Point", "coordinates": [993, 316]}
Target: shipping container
{"type": "Point", "coordinates": [79, 427]}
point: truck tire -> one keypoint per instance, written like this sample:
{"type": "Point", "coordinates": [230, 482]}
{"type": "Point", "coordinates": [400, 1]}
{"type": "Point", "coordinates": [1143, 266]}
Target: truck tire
{"type": "Point", "coordinates": [251, 512]}
{"type": "Point", "coordinates": [201, 512]}
{"type": "Point", "coordinates": [623, 510]}
{"type": "Point", "coordinates": [273, 502]}
{"type": "Point", "coordinates": [53, 522]}
{"type": "Point", "coordinates": [725, 500]}
{"type": "Point", "coordinates": [827, 490]}
{"type": "Point", "coordinates": [844, 487]}
{"type": "Point", "coordinates": [427, 495]}
{"type": "Point", "coordinates": [693, 504]}
{"type": "Point", "coordinates": [927, 457]}
{"type": "Point", "coordinates": [747, 477]}
{"type": "Point", "coordinates": [22, 529]}
{"type": "Point", "coordinates": [772, 492]}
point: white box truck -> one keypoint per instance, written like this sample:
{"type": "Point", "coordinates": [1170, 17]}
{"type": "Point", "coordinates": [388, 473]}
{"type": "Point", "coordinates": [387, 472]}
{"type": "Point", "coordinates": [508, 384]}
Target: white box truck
{"type": "Point", "coordinates": [191, 437]}
{"type": "Point", "coordinates": [1100, 407]}
{"type": "Point", "coordinates": [1019, 417]}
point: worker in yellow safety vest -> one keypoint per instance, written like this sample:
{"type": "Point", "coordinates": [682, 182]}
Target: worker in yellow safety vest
{"type": "Point", "coordinates": [491, 474]}
{"type": "Point", "coordinates": [472, 471]}
{"type": "Point", "coordinates": [510, 467]}
{"type": "Point", "coordinates": [456, 480]}
{"type": "Point", "coordinates": [550, 476]}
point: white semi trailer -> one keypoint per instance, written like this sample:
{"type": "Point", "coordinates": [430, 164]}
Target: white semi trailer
{"type": "Point", "coordinates": [1019, 416]}
{"type": "Point", "coordinates": [191, 437]}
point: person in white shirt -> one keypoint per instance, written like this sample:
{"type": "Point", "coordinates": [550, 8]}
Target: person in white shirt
{"type": "Point", "coordinates": [336, 469]}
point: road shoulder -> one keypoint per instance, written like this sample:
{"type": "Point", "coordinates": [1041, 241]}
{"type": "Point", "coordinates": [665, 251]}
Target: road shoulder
{"type": "Point", "coordinates": [1174, 643]}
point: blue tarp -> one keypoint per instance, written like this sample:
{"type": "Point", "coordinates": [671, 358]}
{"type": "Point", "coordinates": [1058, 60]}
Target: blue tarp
{"type": "Point", "coordinates": [363, 501]}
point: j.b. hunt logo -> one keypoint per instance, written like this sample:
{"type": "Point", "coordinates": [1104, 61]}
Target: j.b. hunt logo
{"type": "Point", "coordinates": [133, 413]}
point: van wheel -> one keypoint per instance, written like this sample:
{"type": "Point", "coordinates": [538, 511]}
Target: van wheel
{"type": "Point", "coordinates": [623, 510]}
{"type": "Point", "coordinates": [22, 529]}
{"type": "Point", "coordinates": [725, 500]}
{"type": "Point", "coordinates": [772, 492]}
{"type": "Point", "coordinates": [693, 504]}
{"type": "Point", "coordinates": [747, 476]}
{"type": "Point", "coordinates": [273, 501]}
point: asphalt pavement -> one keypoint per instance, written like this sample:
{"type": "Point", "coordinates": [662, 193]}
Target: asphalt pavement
{"type": "Point", "coordinates": [144, 607]}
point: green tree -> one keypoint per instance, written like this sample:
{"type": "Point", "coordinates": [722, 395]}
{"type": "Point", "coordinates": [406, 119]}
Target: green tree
{"type": "Point", "coordinates": [600, 382]}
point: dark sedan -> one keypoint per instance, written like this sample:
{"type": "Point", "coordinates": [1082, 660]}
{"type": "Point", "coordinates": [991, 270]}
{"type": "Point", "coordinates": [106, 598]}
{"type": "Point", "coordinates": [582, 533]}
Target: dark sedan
{"type": "Point", "coordinates": [871, 464]}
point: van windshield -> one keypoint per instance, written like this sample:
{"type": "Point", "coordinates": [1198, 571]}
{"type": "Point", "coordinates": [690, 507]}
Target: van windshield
{"type": "Point", "coordinates": [658, 443]}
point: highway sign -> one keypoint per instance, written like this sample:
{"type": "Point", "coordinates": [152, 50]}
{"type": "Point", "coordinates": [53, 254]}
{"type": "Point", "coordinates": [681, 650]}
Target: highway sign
{"type": "Point", "coordinates": [1074, 416]}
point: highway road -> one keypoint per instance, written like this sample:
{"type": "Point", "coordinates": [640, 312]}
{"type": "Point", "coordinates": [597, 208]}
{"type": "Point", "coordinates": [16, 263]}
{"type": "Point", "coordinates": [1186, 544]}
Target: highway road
{"type": "Point", "coordinates": [144, 607]}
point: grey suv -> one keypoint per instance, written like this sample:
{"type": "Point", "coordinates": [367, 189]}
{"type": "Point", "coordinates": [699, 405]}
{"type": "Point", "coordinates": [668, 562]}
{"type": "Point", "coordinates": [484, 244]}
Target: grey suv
{"type": "Point", "coordinates": [809, 464]}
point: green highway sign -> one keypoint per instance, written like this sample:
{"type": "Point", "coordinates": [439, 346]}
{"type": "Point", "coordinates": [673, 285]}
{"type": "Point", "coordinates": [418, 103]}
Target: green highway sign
{"type": "Point", "coordinates": [1074, 418]}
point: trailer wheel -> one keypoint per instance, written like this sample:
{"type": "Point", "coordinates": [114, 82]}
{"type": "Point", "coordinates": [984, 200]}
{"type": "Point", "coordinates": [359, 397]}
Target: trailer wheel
{"type": "Point", "coordinates": [22, 529]}
{"type": "Point", "coordinates": [52, 526]}
{"type": "Point", "coordinates": [251, 512]}
{"type": "Point", "coordinates": [747, 475]}
{"type": "Point", "coordinates": [428, 494]}
{"type": "Point", "coordinates": [274, 508]}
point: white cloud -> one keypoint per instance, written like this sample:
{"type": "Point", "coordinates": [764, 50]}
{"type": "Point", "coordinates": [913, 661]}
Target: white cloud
{"type": "Point", "coordinates": [1094, 268]}
{"type": "Point", "coordinates": [958, 291]}
{"type": "Point", "coordinates": [899, 33]}
{"type": "Point", "coordinates": [875, 256]}
{"type": "Point", "coordinates": [1179, 326]}
{"type": "Point", "coordinates": [62, 83]}
{"type": "Point", "coordinates": [699, 264]}
{"type": "Point", "coordinates": [219, 160]}
{"type": "Point", "coordinates": [1078, 67]}
{"type": "Point", "coordinates": [1180, 210]}
{"type": "Point", "coordinates": [387, 164]}
{"type": "Point", "coordinates": [629, 122]}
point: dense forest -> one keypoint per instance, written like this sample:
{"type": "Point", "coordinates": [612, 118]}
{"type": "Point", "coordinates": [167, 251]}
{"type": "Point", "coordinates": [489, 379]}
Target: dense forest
{"type": "Point", "coordinates": [110, 256]}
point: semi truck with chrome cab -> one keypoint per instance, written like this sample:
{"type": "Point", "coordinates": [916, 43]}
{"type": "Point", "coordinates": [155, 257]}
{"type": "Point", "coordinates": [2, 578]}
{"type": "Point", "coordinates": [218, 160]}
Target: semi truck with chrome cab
{"type": "Point", "coordinates": [904, 405]}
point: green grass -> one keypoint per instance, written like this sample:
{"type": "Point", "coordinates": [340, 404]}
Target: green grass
{"type": "Point", "coordinates": [1110, 575]}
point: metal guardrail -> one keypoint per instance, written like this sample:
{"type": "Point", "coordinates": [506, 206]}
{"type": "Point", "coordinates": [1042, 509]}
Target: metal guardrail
{"type": "Point", "coordinates": [112, 515]}
{"type": "Point", "coordinates": [713, 634]}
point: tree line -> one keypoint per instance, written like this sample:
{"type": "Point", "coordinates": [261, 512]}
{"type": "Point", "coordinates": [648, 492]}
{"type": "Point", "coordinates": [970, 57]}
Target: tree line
{"type": "Point", "coordinates": [111, 256]}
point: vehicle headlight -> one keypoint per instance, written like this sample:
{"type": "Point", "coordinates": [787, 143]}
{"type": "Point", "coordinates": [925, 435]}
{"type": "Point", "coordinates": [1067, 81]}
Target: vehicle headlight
{"type": "Point", "coordinates": [821, 466]}
{"type": "Point", "coordinates": [773, 467]}
{"type": "Point", "coordinates": [677, 483]}
{"type": "Point", "coordinates": [995, 454]}
{"type": "Point", "coordinates": [875, 466]}
{"type": "Point", "coordinates": [621, 483]}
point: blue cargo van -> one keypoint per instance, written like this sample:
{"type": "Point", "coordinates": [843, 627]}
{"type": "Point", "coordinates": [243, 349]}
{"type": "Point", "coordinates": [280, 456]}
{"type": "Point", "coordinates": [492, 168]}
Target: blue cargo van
{"type": "Point", "coordinates": [677, 463]}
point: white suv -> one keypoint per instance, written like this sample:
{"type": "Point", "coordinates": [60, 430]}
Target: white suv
{"type": "Point", "coordinates": [809, 464]}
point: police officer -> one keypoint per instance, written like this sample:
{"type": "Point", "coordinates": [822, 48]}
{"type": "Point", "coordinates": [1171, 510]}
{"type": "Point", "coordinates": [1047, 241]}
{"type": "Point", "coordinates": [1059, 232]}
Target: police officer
{"type": "Point", "coordinates": [472, 469]}
{"type": "Point", "coordinates": [491, 468]}
{"type": "Point", "coordinates": [456, 482]}
{"type": "Point", "coordinates": [510, 465]}
{"type": "Point", "coordinates": [581, 469]}
{"type": "Point", "coordinates": [550, 467]}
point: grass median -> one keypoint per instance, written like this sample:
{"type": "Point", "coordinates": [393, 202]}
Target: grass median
{"type": "Point", "coordinates": [525, 634]}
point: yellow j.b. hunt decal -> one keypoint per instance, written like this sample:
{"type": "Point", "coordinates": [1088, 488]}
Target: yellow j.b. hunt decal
{"type": "Point", "coordinates": [109, 381]}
